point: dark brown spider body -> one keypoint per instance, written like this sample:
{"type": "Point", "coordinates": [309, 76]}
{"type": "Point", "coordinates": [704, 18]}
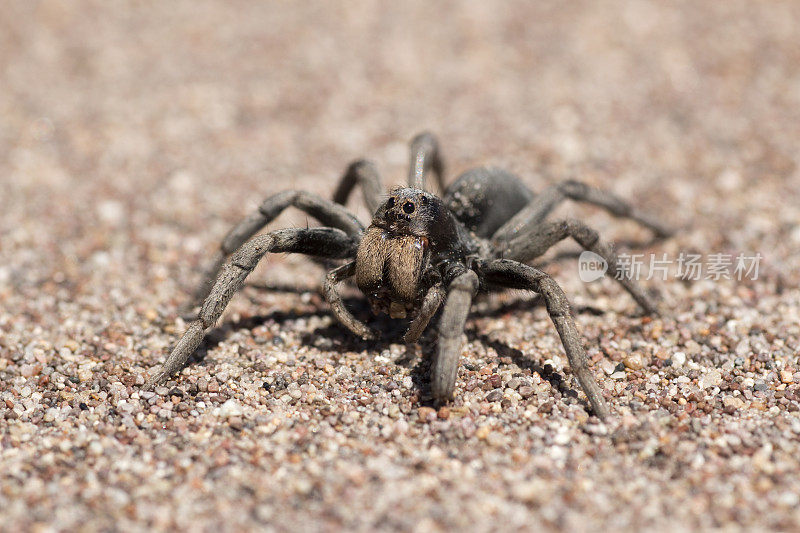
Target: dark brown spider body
{"type": "Point", "coordinates": [421, 252]}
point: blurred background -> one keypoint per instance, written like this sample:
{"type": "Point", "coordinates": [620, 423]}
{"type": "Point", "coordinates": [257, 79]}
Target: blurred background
{"type": "Point", "coordinates": [185, 114]}
{"type": "Point", "coordinates": [134, 134]}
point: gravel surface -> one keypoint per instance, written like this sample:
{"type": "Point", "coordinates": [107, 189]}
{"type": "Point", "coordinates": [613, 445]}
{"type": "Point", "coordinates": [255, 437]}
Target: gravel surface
{"type": "Point", "coordinates": [133, 136]}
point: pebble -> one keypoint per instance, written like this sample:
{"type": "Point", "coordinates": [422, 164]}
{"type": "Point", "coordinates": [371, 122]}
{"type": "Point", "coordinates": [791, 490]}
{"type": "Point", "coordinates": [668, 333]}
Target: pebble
{"type": "Point", "coordinates": [230, 408]}
{"type": "Point", "coordinates": [494, 396]}
{"type": "Point", "coordinates": [712, 378]}
{"type": "Point", "coordinates": [426, 414]}
{"type": "Point", "coordinates": [526, 391]}
{"type": "Point", "coordinates": [634, 361]}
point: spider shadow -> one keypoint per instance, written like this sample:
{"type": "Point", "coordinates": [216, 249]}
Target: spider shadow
{"type": "Point", "coordinates": [340, 338]}
{"type": "Point", "coordinates": [418, 357]}
{"type": "Point", "coordinates": [524, 362]}
{"type": "Point", "coordinates": [218, 334]}
{"type": "Point", "coordinates": [415, 356]}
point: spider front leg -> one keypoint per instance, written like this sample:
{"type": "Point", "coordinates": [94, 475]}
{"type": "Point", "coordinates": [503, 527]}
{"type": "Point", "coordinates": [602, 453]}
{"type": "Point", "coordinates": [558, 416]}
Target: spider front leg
{"type": "Point", "coordinates": [536, 240]}
{"type": "Point", "coordinates": [514, 275]}
{"type": "Point", "coordinates": [327, 212]}
{"type": "Point", "coordinates": [324, 242]}
{"type": "Point", "coordinates": [461, 291]}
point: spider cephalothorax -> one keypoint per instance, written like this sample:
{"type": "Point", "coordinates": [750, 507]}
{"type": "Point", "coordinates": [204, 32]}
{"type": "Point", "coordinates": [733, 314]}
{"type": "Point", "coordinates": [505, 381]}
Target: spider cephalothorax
{"type": "Point", "coordinates": [422, 252]}
{"type": "Point", "coordinates": [410, 231]}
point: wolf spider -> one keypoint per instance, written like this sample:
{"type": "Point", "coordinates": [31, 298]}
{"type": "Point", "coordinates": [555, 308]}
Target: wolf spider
{"type": "Point", "coordinates": [421, 251]}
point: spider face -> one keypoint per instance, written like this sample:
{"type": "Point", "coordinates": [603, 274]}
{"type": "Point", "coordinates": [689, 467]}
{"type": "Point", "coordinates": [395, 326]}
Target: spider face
{"type": "Point", "coordinates": [396, 249]}
{"type": "Point", "coordinates": [410, 211]}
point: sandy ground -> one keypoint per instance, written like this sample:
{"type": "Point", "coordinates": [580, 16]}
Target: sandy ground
{"type": "Point", "coordinates": [133, 136]}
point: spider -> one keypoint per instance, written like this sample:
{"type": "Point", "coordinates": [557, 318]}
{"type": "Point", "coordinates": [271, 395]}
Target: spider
{"type": "Point", "coordinates": [422, 252]}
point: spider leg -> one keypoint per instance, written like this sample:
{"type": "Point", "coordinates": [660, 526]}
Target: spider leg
{"type": "Point", "coordinates": [514, 275]}
{"type": "Point", "coordinates": [430, 304]}
{"type": "Point", "coordinates": [363, 173]}
{"type": "Point", "coordinates": [333, 298]}
{"type": "Point", "coordinates": [327, 212]}
{"type": "Point", "coordinates": [425, 156]}
{"type": "Point", "coordinates": [451, 326]}
{"type": "Point", "coordinates": [534, 241]}
{"type": "Point", "coordinates": [325, 242]}
{"type": "Point", "coordinates": [544, 203]}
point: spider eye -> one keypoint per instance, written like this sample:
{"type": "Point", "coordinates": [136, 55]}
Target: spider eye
{"type": "Point", "coordinates": [408, 207]}
{"type": "Point", "coordinates": [424, 200]}
{"type": "Point", "coordinates": [390, 202]}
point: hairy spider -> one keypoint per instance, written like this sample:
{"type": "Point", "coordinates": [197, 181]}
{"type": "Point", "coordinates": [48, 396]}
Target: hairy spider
{"type": "Point", "coordinates": [420, 251]}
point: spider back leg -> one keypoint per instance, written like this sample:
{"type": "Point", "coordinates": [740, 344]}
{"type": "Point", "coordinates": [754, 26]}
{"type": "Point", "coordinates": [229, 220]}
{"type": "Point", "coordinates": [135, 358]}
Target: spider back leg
{"type": "Point", "coordinates": [550, 198]}
{"type": "Point", "coordinates": [364, 174]}
{"type": "Point", "coordinates": [536, 240]}
{"type": "Point", "coordinates": [425, 156]}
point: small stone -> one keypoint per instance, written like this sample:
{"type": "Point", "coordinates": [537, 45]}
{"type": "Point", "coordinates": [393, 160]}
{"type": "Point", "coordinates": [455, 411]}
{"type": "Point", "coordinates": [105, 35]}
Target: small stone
{"type": "Point", "coordinates": [743, 348]}
{"type": "Point", "coordinates": [786, 376]}
{"type": "Point", "coordinates": [426, 413]}
{"type": "Point", "coordinates": [400, 427]}
{"type": "Point", "coordinates": [710, 379]}
{"type": "Point", "coordinates": [444, 412]}
{"type": "Point", "coordinates": [231, 408]}
{"type": "Point", "coordinates": [95, 448]}
{"type": "Point", "coordinates": [494, 396]}
{"type": "Point", "coordinates": [531, 491]}
{"type": "Point", "coordinates": [678, 359]}
{"type": "Point", "coordinates": [561, 437]}
{"type": "Point", "coordinates": [29, 370]}
{"type": "Point", "coordinates": [634, 361]}
{"type": "Point", "coordinates": [618, 375]}
{"type": "Point", "coordinates": [526, 391]}
{"type": "Point", "coordinates": [483, 432]}
{"type": "Point", "coordinates": [235, 422]}
{"type": "Point", "coordinates": [733, 402]}
{"type": "Point", "coordinates": [514, 383]}
{"type": "Point", "coordinates": [213, 386]}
